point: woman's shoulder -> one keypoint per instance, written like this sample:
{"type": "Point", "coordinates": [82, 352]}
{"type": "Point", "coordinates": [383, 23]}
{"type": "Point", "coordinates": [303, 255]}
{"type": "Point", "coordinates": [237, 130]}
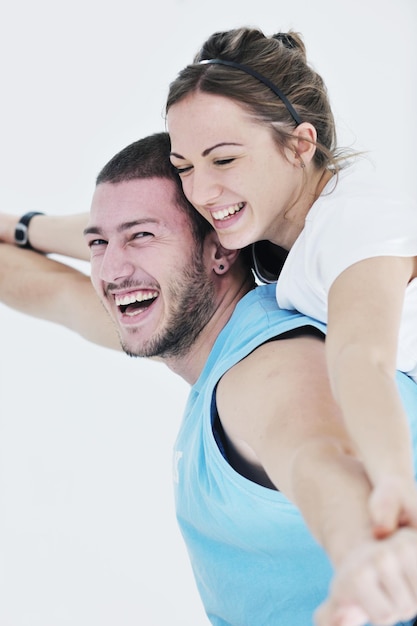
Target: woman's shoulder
{"type": "Point", "coordinates": [357, 189]}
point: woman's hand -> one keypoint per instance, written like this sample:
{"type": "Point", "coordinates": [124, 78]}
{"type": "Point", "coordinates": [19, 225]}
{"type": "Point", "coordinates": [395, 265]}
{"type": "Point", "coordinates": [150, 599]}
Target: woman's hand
{"type": "Point", "coordinates": [393, 503]}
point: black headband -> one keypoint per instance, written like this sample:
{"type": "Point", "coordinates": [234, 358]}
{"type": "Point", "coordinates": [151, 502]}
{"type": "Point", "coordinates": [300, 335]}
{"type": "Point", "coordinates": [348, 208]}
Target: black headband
{"type": "Point", "coordinates": [262, 79]}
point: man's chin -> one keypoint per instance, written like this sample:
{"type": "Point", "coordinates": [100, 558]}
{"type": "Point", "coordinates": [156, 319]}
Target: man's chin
{"type": "Point", "coordinates": [134, 351]}
{"type": "Point", "coordinates": [135, 343]}
{"type": "Point", "coordinates": [132, 347]}
{"type": "Point", "coordinates": [144, 349]}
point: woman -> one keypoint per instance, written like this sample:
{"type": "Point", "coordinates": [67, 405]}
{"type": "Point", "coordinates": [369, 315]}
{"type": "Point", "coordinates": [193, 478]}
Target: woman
{"type": "Point", "coordinates": [253, 139]}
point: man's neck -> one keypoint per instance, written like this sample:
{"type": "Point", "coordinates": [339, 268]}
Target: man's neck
{"type": "Point", "coordinates": [190, 365]}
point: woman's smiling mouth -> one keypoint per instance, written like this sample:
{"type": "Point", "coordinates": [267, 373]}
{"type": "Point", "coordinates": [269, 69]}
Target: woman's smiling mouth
{"type": "Point", "coordinates": [223, 214]}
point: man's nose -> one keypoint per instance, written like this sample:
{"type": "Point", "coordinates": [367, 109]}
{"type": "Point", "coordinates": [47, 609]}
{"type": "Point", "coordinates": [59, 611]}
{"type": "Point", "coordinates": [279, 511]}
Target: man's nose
{"type": "Point", "coordinates": [116, 264]}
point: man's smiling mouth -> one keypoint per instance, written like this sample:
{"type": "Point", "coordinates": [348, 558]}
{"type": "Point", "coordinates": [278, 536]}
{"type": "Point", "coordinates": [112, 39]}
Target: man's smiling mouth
{"type": "Point", "coordinates": [135, 302]}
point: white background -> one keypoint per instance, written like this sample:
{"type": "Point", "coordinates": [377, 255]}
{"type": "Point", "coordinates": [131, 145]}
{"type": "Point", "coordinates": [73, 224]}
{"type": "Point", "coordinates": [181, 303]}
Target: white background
{"type": "Point", "coordinates": [88, 535]}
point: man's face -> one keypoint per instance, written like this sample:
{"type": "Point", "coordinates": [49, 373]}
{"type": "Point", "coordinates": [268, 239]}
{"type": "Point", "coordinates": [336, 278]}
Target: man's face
{"type": "Point", "coordinates": [147, 268]}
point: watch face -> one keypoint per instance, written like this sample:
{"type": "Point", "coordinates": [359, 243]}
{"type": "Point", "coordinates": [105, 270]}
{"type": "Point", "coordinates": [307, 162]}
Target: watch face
{"type": "Point", "coordinates": [21, 234]}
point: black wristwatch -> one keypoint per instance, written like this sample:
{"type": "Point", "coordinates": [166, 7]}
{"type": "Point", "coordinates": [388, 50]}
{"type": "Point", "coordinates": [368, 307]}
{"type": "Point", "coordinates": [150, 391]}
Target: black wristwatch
{"type": "Point", "coordinates": [21, 237]}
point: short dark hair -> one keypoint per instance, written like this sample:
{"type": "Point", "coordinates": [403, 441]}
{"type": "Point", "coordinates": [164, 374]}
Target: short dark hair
{"type": "Point", "coordinates": [149, 158]}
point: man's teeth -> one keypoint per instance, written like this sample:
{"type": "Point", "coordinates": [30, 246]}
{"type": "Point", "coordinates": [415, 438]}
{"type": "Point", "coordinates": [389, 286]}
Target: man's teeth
{"type": "Point", "coordinates": [138, 296]}
{"type": "Point", "coordinates": [231, 210]}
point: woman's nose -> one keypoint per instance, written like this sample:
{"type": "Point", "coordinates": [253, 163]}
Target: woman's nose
{"type": "Point", "coordinates": [202, 188]}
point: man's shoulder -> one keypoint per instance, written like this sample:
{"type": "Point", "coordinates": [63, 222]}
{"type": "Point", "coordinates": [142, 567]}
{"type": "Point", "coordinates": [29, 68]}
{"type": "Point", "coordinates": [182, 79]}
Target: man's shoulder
{"type": "Point", "coordinates": [263, 296]}
{"type": "Point", "coordinates": [261, 305]}
{"type": "Point", "coordinates": [258, 318]}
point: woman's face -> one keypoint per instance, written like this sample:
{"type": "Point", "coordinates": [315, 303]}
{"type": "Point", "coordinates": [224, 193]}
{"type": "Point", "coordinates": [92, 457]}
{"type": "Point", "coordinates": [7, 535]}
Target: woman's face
{"type": "Point", "coordinates": [231, 169]}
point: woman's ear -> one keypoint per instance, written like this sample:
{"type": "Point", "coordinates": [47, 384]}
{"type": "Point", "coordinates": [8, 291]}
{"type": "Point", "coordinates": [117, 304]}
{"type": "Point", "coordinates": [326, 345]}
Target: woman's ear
{"type": "Point", "coordinates": [303, 144]}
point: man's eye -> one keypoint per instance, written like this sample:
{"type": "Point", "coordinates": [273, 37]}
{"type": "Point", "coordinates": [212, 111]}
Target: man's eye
{"type": "Point", "coordinates": [96, 242]}
{"type": "Point", "coordinates": [142, 235]}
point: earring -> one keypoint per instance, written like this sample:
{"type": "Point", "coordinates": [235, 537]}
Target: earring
{"type": "Point", "coordinates": [221, 267]}
{"type": "Point", "coordinates": [298, 156]}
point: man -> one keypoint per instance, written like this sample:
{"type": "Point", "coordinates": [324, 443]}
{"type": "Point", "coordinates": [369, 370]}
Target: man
{"type": "Point", "coordinates": [262, 447]}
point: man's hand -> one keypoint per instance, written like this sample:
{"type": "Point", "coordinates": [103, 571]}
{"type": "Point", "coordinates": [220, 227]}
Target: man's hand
{"type": "Point", "coordinates": [7, 227]}
{"type": "Point", "coordinates": [376, 583]}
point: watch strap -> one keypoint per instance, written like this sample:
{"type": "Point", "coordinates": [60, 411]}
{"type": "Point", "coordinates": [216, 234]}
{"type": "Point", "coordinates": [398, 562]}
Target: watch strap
{"type": "Point", "coordinates": [21, 233]}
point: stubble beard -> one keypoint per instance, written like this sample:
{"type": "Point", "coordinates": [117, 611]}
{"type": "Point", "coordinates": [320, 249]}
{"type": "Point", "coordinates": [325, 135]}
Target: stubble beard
{"type": "Point", "coordinates": [192, 298]}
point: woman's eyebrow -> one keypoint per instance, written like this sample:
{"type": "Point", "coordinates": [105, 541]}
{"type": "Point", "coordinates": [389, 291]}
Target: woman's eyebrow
{"type": "Point", "coordinates": [207, 151]}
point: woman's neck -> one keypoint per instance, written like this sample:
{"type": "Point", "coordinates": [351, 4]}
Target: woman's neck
{"type": "Point", "coordinates": [293, 220]}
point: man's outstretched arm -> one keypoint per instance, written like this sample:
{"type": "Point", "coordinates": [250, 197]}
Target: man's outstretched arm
{"type": "Point", "coordinates": [284, 420]}
{"type": "Point", "coordinates": [59, 234]}
{"type": "Point", "coordinates": [42, 287]}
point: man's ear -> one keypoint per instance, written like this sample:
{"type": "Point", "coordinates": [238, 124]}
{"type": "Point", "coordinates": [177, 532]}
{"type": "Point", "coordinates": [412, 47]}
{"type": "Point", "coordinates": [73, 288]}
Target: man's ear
{"type": "Point", "coordinates": [303, 144]}
{"type": "Point", "coordinates": [221, 258]}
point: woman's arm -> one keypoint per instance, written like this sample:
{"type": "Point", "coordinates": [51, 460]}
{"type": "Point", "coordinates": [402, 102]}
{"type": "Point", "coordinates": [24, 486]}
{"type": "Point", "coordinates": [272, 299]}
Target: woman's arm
{"type": "Point", "coordinates": [59, 234]}
{"type": "Point", "coordinates": [365, 306]}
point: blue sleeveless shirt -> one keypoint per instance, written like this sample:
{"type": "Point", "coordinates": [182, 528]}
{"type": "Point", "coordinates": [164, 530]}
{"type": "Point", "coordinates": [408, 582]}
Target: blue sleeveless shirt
{"type": "Point", "coordinates": [253, 558]}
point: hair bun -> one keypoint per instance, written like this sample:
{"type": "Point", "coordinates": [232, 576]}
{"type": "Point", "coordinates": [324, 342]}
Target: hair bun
{"type": "Point", "coordinates": [286, 39]}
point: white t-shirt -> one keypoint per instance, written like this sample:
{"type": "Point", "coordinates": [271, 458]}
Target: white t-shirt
{"type": "Point", "coordinates": [353, 219]}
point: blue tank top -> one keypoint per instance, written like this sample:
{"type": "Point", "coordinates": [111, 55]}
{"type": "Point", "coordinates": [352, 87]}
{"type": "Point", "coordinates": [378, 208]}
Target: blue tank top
{"type": "Point", "coordinates": [253, 558]}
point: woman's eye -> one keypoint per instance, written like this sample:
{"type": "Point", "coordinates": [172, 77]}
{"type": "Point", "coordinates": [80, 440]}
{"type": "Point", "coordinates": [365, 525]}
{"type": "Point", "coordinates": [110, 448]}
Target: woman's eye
{"type": "Point", "coordinates": [183, 170]}
{"type": "Point", "coordinates": [224, 161]}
